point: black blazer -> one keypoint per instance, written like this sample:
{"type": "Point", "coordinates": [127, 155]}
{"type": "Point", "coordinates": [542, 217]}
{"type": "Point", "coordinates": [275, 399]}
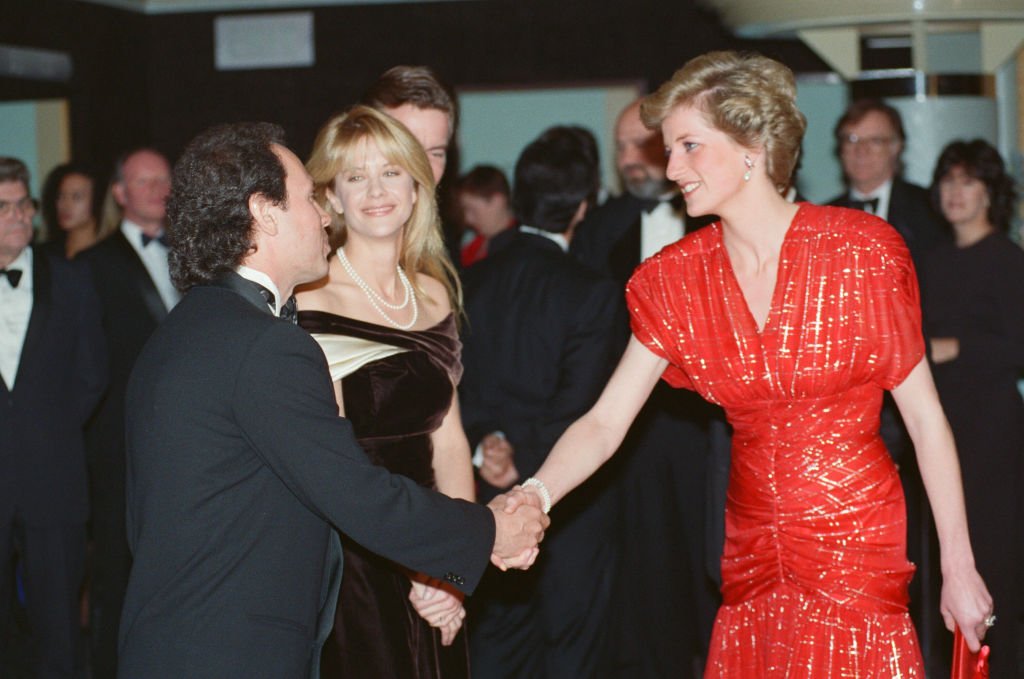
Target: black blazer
{"type": "Point", "coordinates": [539, 344]}
{"type": "Point", "coordinates": [60, 378]}
{"type": "Point", "coordinates": [132, 309]}
{"type": "Point", "coordinates": [608, 240]}
{"type": "Point", "coordinates": [238, 467]}
{"type": "Point", "coordinates": [911, 212]}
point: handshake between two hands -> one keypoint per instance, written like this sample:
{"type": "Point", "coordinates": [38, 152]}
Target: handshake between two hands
{"type": "Point", "coordinates": [519, 527]}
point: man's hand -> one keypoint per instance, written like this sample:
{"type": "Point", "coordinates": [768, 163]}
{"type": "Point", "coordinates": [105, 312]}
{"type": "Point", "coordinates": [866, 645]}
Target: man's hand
{"type": "Point", "coordinates": [439, 605]}
{"type": "Point", "coordinates": [498, 468]}
{"type": "Point", "coordinates": [945, 349]}
{"type": "Point", "coordinates": [517, 533]}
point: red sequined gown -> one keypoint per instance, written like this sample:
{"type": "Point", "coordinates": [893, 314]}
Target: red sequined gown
{"type": "Point", "coordinates": [814, 570]}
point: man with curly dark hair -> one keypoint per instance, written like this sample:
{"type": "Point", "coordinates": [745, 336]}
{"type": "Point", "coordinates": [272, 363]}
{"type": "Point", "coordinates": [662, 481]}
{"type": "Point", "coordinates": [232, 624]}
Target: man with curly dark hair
{"type": "Point", "coordinates": [238, 464]}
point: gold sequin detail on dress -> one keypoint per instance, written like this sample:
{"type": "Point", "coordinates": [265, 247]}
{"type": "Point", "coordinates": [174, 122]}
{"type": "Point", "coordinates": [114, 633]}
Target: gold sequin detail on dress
{"type": "Point", "coordinates": [814, 571]}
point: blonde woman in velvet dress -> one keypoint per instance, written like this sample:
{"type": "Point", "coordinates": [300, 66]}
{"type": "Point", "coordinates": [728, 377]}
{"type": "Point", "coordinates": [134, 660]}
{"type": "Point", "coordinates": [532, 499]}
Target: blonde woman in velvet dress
{"type": "Point", "coordinates": [385, 318]}
{"type": "Point", "coordinates": [794, 318]}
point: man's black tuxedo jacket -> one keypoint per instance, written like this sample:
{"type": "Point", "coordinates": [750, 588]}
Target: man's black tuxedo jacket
{"type": "Point", "coordinates": [238, 467]}
{"type": "Point", "coordinates": [132, 309]}
{"type": "Point", "coordinates": [910, 211]}
{"type": "Point", "coordinates": [609, 238]}
{"type": "Point", "coordinates": [539, 345]}
{"type": "Point", "coordinates": [60, 378]}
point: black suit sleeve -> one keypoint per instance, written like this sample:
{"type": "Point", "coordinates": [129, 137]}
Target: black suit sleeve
{"type": "Point", "coordinates": [980, 347]}
{"type": "Point", "coordinates": [294, 427]}
{"type": "Point", "coordinates": [585, 364]}
{"type": "Point", "coordinates": [91, 366]}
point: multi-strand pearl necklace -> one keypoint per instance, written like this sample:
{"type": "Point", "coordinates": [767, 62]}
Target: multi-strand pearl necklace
{"type": "Point", "coordinates": [378, 302]}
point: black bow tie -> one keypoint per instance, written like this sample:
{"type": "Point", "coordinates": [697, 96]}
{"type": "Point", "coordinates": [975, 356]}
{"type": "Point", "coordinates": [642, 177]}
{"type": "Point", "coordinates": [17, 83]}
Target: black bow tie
{"type": "Point", "coordinates": [13, 276]}
{"type": "Point", "coordinates": [288, 311]}
{"type": "Point", "coordinates": [649, 204]}
{"type": "Point", "coordinates": [162, 239]}
{"type": "Point", "coordinates": [868, 205]}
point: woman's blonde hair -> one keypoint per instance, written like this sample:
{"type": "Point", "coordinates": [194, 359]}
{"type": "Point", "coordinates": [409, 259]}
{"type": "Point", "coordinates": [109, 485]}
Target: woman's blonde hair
{"type": "Point", "coordinates": [423, 249]}
{"type": "Point", "coordinates": [749, 97]}
{"type": "Point", "coordinates": [111, 214]}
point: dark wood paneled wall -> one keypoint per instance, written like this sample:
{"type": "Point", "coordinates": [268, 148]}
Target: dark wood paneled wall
{"type": "Point", "coordinates": [151, 79]}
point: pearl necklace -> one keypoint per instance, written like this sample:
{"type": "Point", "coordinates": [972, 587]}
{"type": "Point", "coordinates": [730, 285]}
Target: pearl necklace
{"type": "Point", "coordinates": [378, 302]}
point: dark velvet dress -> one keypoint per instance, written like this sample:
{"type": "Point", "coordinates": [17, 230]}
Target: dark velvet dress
{"type": "Point", "coordinates": [397, 387]}
{"type": "Point", "coordinates": [976, 294]}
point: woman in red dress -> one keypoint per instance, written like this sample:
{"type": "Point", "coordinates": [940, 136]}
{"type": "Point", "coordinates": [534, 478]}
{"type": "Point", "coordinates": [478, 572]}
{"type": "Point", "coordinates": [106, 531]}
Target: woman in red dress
{"type": "Point", "coordinates": [794, 318]}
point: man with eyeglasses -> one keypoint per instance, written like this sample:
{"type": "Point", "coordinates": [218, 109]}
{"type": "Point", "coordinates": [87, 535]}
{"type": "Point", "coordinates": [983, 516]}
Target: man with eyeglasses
{"type": "Point", "coordinates": [870, 140]}
{"type": "Point", "coordinates": [53, 365]}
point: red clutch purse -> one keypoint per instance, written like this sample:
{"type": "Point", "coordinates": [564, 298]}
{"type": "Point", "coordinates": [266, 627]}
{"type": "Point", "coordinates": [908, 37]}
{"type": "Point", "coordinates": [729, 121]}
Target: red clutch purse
{"type": "Point", "coordinates": [968, 665]}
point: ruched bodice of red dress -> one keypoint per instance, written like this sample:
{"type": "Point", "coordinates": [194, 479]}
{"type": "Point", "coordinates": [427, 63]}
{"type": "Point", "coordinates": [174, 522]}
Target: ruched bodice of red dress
{"type": "Point", "coordinates": [814, 569]}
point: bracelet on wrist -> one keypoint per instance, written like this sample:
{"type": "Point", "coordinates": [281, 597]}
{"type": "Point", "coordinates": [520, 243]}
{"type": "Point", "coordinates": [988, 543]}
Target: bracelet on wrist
{"type": "Point", "coordinates": [542, 490]}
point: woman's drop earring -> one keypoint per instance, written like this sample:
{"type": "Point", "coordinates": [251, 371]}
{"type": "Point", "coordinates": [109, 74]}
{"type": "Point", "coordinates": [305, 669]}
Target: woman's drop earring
{"type": "Point", "coordinates": [750, 166]}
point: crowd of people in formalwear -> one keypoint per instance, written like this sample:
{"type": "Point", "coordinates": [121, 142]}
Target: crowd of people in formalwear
{"type": "Point", "coordinates": [272, 417]}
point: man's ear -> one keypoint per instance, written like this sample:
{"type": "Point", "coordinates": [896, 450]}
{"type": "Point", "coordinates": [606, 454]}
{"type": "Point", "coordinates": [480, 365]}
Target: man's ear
{"type": "Point", "coordinates": [264, 213]}
{"type": "Point", "coordinates": [581, 212]}
{"type": "Point", "coordinates": [117, 190]}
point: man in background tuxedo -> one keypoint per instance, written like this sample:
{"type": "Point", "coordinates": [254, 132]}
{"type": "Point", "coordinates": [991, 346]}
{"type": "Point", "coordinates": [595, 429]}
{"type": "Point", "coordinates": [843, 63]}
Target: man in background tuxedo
{"type": "Point", "coordinates": [130, 271]}
{"type": "Point", "coordinates": [417, 97]}
{"type": "Point", "coordinates": [53, 365]}
{"type": "Point", "coordinates": [539, 345]}
{"type": "Point", "coordinates": [666, 604]}
{"type": "Point", "coordinates": [870, 140]}
{"type": "Point", "coordinates": [239, 466]}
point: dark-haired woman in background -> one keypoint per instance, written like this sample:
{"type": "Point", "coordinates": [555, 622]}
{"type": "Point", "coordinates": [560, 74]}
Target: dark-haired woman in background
{"type": "Point", "coordinates": [71, 203]}
{"type": "Point", "coordinates": [974, 309]}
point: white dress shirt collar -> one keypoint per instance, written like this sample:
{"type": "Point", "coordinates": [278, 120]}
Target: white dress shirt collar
{"type": "Point", "coordinates": [882, 193]}
{"type": "Point", "coordinates": [23, 263]}
{"type": "Point", "coordinates": [154, 258]}
{"type": "Point", "coordinates": [558, 238]}
{"type": "Point", "coordinates": [15, 312]}
{"type": "Point", "coordinates": [660, 227]}
{"type": "Point", "coordinates": [263, 279]}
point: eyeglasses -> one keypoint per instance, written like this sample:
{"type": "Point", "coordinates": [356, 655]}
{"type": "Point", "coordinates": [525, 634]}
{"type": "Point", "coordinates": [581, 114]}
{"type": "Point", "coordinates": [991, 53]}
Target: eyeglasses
{"type": "Point", "coordinates": [26, 206]}
{"type": "Point", "coordinates": [871, 143]}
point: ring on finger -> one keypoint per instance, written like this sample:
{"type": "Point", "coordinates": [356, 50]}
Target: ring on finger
{"type": "Point", "coordinates": [990, 621]}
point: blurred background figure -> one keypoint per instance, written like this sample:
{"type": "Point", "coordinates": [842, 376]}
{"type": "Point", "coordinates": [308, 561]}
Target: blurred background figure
{"type": "Point", "coordinates": [974, 316]}
{"type": "Point", "coordinates": [484, 199]}
{"type": "Point", "coordinates": [131, 274]}
{"type": "Point", "coordinates": [53, 366]}
{"type": "Point", "coordinates": [71, 205]}
{"type": "Point", "coordinates": [870, 140]}
{"type": "Point", "coordinates": [540, 340]}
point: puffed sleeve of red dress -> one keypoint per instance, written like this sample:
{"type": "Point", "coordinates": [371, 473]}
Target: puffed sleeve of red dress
{"type": "Point", "coordinates": [652, 313]}
{"type": "Point", "coordinates": [894, 309]}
